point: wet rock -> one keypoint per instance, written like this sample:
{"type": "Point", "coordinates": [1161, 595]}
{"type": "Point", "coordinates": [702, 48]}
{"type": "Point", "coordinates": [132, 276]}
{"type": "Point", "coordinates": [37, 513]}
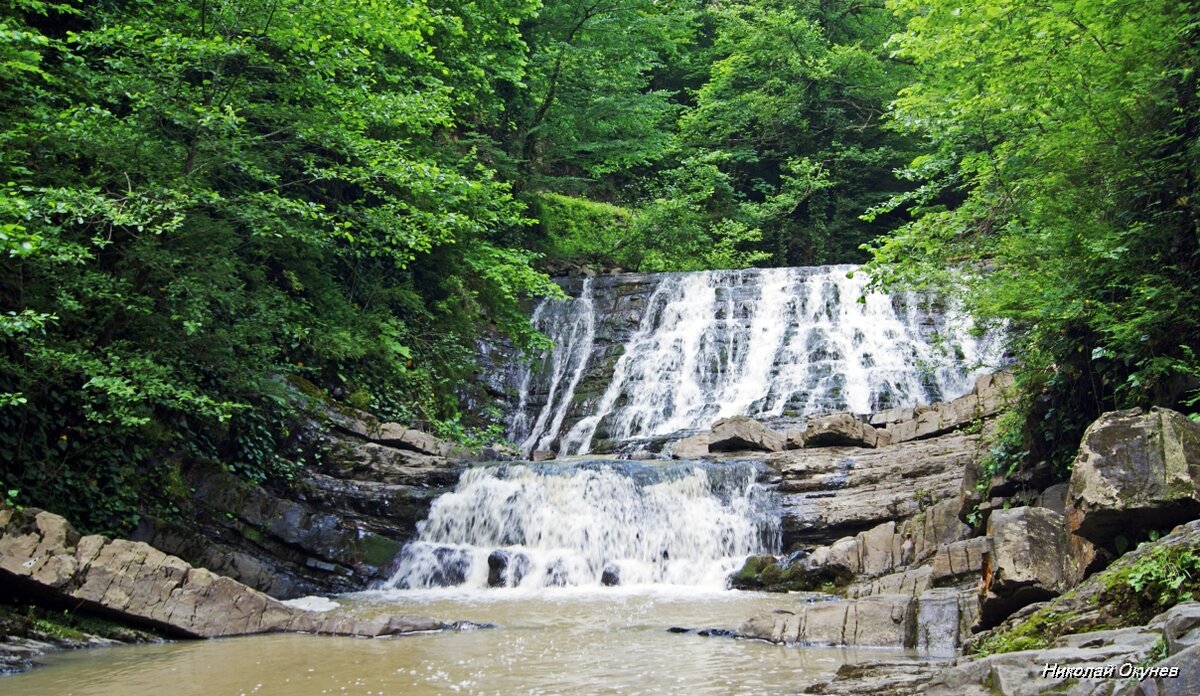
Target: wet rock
{"type": "Point", "coordinates": [42, 556]}
{"type": "Point", "coordinates": [742, 433]}
{"type": "Point", "coordinates": [1025, 563]}
{"type": "Point", "coordinates": [543, 455]}
{"type": "Point", "coordinates": [497, 563]}
{"type": "Point", "coordinates": [1135, 471]}
{"type": "Point", "coordinates": [879, 621]}
{"type": "Point", "coordinates": [324, 535]}
{"type": "Point", "coordinates": [611, 577]}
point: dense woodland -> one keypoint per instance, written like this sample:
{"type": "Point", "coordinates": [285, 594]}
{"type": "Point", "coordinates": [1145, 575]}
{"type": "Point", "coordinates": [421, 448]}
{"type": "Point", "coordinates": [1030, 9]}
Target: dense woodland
{"type": "Point", "coordinates": [205, 201]}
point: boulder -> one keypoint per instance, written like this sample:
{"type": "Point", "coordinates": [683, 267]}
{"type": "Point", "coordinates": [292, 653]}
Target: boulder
{"type": "Point", "coordinates": [742, 433]}
{"type": "Point", "coordinates": [839, 429]}
{"type": "Point", "coordinates": [878, 621]}
{"type": "Point", "coordinates": [1135, 471]}
{"type": "Point", "coordinates": [543, 455]}
{"type": "Point", "coordinates": [1025, 562]}
{"type": "Point", "coordinates": [693, 447]}
{"type": "Point", "coordinates": [42, 556]}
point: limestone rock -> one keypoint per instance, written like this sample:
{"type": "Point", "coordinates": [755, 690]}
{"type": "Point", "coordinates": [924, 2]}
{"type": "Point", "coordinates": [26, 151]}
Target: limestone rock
{"type": "Point", "coordinates": [1134, 471]}
{"type": "Point", "coordinates": [40, 554]}
{"type": "Point", "coordinates": [693, 447]}
{"type": "Point", "coordinates": [839, 429]}
{"type": "Point", "coordinates": [1186, 681]}
{"type": "Point", "coordinates": [742, 433]}
{"type": "Point", "coordinates": [832, 492]}
{"type": "Point", "coordinates": [885, 620]}
{"type": "Point", "coordinates": [1025, 563]}
{"type": "Point", "coordinates": [1181, 628]}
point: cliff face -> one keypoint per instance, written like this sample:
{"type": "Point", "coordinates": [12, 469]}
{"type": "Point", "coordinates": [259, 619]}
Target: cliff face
{"type": "Point", "coordinates": [336, 529]}
{"type": "Point", "coordinates": [639, 357]}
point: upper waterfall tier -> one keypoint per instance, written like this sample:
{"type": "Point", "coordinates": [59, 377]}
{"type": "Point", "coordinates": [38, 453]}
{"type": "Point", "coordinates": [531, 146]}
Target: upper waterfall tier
{"type": "Point", "coordinates": [646, 355]}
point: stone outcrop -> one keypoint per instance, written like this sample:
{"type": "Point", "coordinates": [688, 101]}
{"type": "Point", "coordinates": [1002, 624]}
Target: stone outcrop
{"type": "Point", "coordinates": [932, 622]}
{"type": "Point", "coordinates": [1135, 471]}
{"type": "Point", "coordinates": [336, 528]}
{"type": "Point", "coordinates": [1025, 561]}
{"type": "Point", "coordinates": [989, 396]}
{"type": "Point", "coordinates": [841, 429]}
{"type": "Point", "coordinates": [42, 556]}
{"type": "Point", "coordinates": [691, 447]}
{"type": "Point", "coordinates": [742, 433]}
{"type": "Point", "coordinates": [833, 492]}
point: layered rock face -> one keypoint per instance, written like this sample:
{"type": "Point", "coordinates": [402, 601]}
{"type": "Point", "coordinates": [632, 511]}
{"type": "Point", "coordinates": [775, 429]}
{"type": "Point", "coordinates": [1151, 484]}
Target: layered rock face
{"type": "Point", "coordinates": [337, 529]}
{"type": "Point", "coordinates": [42, 556]}
{"type": "Point", "coordinates": [1020, 583]}
{"type": "Point", "coordinates": [642, 357]}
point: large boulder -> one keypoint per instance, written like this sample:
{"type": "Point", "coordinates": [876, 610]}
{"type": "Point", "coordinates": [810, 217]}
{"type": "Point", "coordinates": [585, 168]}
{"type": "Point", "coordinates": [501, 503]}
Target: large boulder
{"type": "Point", "coordinates": [742, 433]}
{"type": "Point", "coordinates": [42, 556]}
{"type": "Point", "coordinates": [839, 429]}
{"type": "Point", "coordinates": [1135, 471]}
{"type": "Point", "coordinates": [1025, 563]}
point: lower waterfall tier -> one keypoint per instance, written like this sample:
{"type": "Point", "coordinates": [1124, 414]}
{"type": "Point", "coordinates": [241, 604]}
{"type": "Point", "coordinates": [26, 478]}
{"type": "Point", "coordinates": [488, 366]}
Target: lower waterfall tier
{"type": "Point", "coordinates": [591, 524]}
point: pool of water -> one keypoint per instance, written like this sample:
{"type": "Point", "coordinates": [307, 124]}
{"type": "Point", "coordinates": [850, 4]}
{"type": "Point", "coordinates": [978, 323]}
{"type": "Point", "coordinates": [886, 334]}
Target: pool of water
{"type": "Point", "coordinates": [553, 641]}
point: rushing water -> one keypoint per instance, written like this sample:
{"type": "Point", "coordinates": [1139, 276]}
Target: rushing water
{"type": "Point", "coordinates": [759, 342]}
{"type": "Point", "coordinates": [583, 565]}
{"type": "Point", "coordinates": [557, 641]}
{"type": "Point", "coordinates": [592, 523]}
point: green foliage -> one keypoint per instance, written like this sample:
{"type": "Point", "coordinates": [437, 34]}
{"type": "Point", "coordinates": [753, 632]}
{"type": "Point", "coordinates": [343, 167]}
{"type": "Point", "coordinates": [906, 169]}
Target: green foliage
{"type": "Point", "coordinates": [584, 230]}
{"type": "Point", "coordinates": [793, 102]}
{"type": "Point", "coordinates": [200, 197]}
{"type": "Point", "coordinates": [1033, 633]}
{"type": "Point", "coordinates": [1158, 580]}
{"type": "Point", "coordinates": [1058, 189]}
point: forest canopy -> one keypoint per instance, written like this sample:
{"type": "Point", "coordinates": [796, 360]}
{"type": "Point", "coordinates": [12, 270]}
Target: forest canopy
{"type": "Point", "coordinates": [208, 203]}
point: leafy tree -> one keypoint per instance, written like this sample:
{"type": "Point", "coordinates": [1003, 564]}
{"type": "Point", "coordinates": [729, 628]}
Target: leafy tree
{"type": "Point", "coordinates": [1059, 184]}
{"type": "Point", "coordinates": [203, 196]}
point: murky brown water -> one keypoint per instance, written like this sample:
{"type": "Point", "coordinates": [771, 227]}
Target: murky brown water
{"type": "Point", "coordinates": [553, 642]}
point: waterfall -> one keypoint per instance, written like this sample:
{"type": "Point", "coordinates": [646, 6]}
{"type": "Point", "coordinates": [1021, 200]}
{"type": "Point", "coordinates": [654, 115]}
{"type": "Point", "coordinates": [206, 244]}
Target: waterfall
{"type": "Point", "coordinates": [783, 342]}
{"type": "Point", "coordinates": [592, 524]}
{"type": "Point", "coordinates": [571, 325]}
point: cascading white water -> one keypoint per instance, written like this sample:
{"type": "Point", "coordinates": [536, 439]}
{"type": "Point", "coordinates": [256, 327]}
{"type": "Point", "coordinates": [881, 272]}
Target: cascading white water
{"type": "Point", "coordinates": [571, 326]}
{"type": "Point", "coordinates": [592, 523]}
{"type": "Point", "coordinates": [772, 342]}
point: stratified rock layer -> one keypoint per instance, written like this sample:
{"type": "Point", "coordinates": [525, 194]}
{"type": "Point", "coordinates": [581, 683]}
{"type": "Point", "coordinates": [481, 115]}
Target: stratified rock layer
{"type": "Point", "coordinates": [42, 556]}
